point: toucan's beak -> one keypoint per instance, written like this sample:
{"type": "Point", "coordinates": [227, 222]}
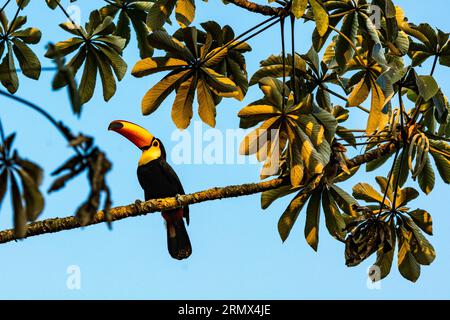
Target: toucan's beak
{"type": "Point", "coordinates": [136, 134]}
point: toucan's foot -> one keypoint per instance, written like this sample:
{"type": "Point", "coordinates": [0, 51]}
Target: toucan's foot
{"type": "Point", "coordinates": [177, 197]}
{"type": "Point", "coordinates": [138, 203]}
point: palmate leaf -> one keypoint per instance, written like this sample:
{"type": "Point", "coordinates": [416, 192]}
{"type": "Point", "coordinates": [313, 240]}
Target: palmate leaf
{"type": "Point", "coordinates": [99, 50]}
{"type": "Point", "coordinates": [321, 194]}
{"type": "Point", "coordinates": [24, 179]}
{"type": "Point", "coordinates": [306, 130]}
{"type": "Point", "coordinates": [413, 248]}
{"type": "Point", "coordinates": [131, 13]}
{"type": "Point", "coordinates": [364, 82]}
{"type": "Point", "coordinates": [355, 17]}
{"type": "Point", "coordinates": [15, 44]}
{"type": "Point", "coordinates": [94, 163]}
{"type": "Point", "coordinates": [194, 65]}
{"type": "Point", "coordinates": [431, 43]}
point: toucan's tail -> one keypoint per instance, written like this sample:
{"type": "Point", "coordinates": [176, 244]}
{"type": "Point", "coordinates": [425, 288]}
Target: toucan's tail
{"type": "Point", "coordinates": [178, 241]}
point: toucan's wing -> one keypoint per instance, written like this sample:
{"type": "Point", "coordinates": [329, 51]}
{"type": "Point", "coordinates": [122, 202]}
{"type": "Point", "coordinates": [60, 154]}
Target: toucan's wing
{"type": "Point", "coordinates": [172, 177]}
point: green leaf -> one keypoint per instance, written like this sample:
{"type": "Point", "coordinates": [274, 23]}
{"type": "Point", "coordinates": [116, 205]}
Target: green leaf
{"type": "Point", "coordinates": [149, 66]}
{"type": "Point", "coordinates": [115, 60]}
{"type": "Point", "coordinates": [298, 8]}
{"type": "Point", "coordinates": [156, 95]}
{"type": "Point", "coordinates": [206, 104]}
{"type": "Point", "coordinates": [359, 94]}
{"type": "Point", "coordinates": [442, 162]}
{"type": "Point", "coordinates": [333, 218]}
{"type": "Point", "coordinates": [423, 220]}
{"type": "Point", "coordinates": [64, 47]}
{"type": "Point", "coordinates": [407, 265]}
{"type": "Point", "coordinates": [28, 61]}
{"type": "Point", "coordinates": [400, 170]}
{"type": "Point", "coordinates": [427, 177]}
{"type": "Point", "coordinates": [161, 40]}
{"type": "Point", "coordinates": [159, 13]}
{"type": "Point", "coordinates": [185, 12]}
{"type": "Point", "coordinates": [344, 200]}
{"type": "Point", "coordinates": [89, 78]}
{"type": "Point", "coordinates": [421, 249]}
{"type": "Point", "coordinates": [141, 29]}
{"type": "Point", "coordinates": [106, 75]}
{"type": "Point", "coordinates": [269, 196]}
{"type": "Point", "coordinates": [20, 218]}
{"type": "Point", "coordinates": [427, 86]}
{"type": "Point", "coordinates": [384, 262]}
{"type": "Point", "coordinates": [8, 75]}
{"type": "Point", "coordinates": [29, 35]}
{"type": "Point", "coordinates": [3, 185]}
{"type": "Point", "coordinates": [219, 84]}
{"type": "Point", "coordinates": [33, 197]}
{"type": "Point", "coordinates": [290, 215]}
{"type": "Point", "coordinates": [182, 107]}
{"type": "Point", "coordinates": [312, 220]}
{"type": "Point", "coordinates": [123, 29]}
{"type": "Point", "coordinates": [364, 191]}
{"type": "Point", "coordinates": [320, 16]}
{"type": "Point", "coordinates": [406, 195]}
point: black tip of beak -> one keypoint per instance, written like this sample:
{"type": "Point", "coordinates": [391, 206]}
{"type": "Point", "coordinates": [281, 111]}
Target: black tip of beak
{"type": "Point", "coordinates": [115, 125]}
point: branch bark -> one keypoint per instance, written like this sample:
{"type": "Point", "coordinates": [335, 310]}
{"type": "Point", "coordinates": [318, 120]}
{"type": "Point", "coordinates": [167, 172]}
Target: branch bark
{"type": "Point", "coordinates": [133, 210]}
{"type": "Point", "coordinates": [259, 8]}
{"type": "Point", "coordinates": [59, 224]}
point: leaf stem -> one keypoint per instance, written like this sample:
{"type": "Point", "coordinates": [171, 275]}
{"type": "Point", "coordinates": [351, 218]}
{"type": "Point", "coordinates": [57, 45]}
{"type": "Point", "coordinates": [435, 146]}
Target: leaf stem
{"type": "Point", "coordinates": [42, 112]}
{"type": "Point", "coordinates": [71, 20]}
{"type": "Point", "coordinates": [342, 98]}
{"type": "Point", "coordinates": [15, 17]}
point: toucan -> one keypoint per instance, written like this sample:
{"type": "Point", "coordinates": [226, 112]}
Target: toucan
{"type": "Point", "coordinates": [159, 180]}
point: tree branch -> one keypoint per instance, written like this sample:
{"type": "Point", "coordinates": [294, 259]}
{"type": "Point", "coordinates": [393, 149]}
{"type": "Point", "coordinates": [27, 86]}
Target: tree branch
{"type": "Point", "coordinates": [259, 8]}
{"type": "Point", "coordinates": [133, 210]}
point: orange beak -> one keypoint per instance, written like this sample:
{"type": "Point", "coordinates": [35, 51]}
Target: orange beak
{"type": "Point", "coordinates": [140, 137]}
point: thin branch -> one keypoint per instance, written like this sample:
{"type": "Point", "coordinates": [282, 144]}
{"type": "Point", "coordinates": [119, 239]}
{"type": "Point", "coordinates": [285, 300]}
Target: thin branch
{"type": "Point", "coordinates": [380, 151]}
{"type": "Point", "coordinates": [15, 18]}
{"type": "Point", "coordinates": [294, 85]}
{"type": "Point", "coordinates": [71, 21]}
{"type": "Point", "coordinates": [434, 65]}
{"type": "Point", "coordinates": [258, 8]}
{"type": "Point", "coordinates": [343, 98]}
{"type": "Point", "coordinates": [4, 6]}
{"type": "Point", "coordinates": [157, 205]}
{"type": "Point", "coordinates": [138, 209]}
{"type": "Point", "coordinates": [42, 112]}
{"type": "Point", "coordinates": [283, 53]}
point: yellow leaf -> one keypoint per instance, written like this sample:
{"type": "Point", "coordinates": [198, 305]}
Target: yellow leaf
{"type": "Point", "coordinates": [206, 105]}
{"type": "Point", "coordinates": [359, 93]}
{"type": "Point", "coordinates": [185, 12]}
{"type": "Point", "coordinates": [148, 66]}
{"type": "Point", "coordinates": [320, 16]}
{"type": "Point", "coordinates": [298, 7]}
{"type": "Point", "coordinates": [156, 95]}
{"type": "Point", "coordinates": [182, 106]}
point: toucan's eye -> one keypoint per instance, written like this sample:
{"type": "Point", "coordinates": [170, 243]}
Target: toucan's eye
{"type": "Point", "coordinates": [155, 143]}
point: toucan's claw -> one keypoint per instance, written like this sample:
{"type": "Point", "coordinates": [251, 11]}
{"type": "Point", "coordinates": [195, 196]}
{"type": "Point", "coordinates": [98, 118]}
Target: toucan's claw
{"type": "Point", "coordinates": [177, 197]}
{"type": "Point", "coordinates": [138, 203]}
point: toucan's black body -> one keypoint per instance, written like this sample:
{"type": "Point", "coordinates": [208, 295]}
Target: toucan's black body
{"type": "Point", "coordinates": [159, 180]}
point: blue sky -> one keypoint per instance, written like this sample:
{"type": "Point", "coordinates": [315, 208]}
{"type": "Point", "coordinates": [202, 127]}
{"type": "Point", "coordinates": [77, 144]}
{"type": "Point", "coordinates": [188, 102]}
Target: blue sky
{"type": "Point", "coordinates": [237, 252]}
